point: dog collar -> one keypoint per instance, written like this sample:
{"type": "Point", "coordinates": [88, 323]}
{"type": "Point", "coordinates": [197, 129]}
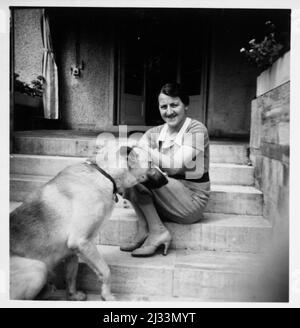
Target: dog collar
{"type": "Point", "coordinates": [115, 190]}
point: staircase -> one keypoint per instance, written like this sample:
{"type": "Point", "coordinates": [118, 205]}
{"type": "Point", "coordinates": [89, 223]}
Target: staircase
{"type": "Point", "coordinates": [217, 259]}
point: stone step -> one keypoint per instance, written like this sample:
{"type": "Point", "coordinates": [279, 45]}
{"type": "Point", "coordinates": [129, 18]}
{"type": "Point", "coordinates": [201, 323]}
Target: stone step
{"type": "Point", "coordinates": [60, 295]}
{"type": "Point", "coordinates": [216, 232]}
{"type": "Point", "coordinates": [210, 276]}
{"type": "Point", "coordinates": [231, 174]}
{"type": "Point", "coordinates": [83, 144]}
{"type": "Point", "coordinates": [244, 200]}
{"type": "Point", "coordinates": [231, 199]}
{"type": "Point", "coordinates": [222, 232]}
{"type": "Point", "coordinates": [220, 173]}
{"type": "Point", "coordinates": [229, 152]}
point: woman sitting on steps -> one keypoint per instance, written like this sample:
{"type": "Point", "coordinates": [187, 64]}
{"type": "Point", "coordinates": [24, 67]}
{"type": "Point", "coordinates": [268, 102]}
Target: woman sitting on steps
{"type": "Point", "coordinates": [180, 148]}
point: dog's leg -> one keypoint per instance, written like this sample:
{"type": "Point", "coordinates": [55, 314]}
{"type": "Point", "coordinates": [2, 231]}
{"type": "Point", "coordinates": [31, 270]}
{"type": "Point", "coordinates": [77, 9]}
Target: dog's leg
{"type": "Point", "coordinates": [71, 266]}
{"type": "Point", "coordinates": [86, 220]}
{"type": "Point", "coordinates": [89, 254]}
{"type": "Point", "coordinates": [27, 278]}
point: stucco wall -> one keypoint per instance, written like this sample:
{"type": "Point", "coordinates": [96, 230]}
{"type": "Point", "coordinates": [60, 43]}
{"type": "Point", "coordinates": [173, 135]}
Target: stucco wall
{"type": "Point", "coordinates": [232, 81]}
{"type": "Point", "coordinates": [87, 101]}
{"type": "Point", "coordinates": [28, 48]}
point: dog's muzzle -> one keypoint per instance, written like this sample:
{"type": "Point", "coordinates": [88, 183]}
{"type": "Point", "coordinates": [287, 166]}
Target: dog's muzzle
{"type": "Point", "coordinates": [155, 179]}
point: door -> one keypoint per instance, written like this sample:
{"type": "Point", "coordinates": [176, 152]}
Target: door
{"type": "Point", "coordinates": [193, 71]}
{"type": "Point", "coordinates": [132, 86]}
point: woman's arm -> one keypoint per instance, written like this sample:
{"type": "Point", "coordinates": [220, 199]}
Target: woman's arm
{"type": "Point", "coordinates": [176, 162]}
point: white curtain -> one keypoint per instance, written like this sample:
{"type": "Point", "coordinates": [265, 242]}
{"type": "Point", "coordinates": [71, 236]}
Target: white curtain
{"type": "Point", "coordinates": [50, 94]}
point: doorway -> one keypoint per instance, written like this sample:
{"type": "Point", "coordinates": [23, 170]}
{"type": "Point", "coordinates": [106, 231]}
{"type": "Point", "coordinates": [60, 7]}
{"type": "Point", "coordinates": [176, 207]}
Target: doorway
{"type": "Point", "coordinates": [157, 46]}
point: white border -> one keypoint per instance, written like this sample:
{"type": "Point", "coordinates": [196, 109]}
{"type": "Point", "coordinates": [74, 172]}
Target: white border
{"type": "Point", "coordinates": [295, 163]}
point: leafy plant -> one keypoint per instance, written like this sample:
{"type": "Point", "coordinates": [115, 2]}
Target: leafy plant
{"type": "Point", "coordinates": [263, 54]}
{"type": "Point", "coordinates": [34, 89]}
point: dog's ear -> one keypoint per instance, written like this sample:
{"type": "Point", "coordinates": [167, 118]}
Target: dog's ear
{"type": "Point", "coordinates": [130, 155]}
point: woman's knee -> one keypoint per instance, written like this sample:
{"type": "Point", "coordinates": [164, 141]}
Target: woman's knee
{"type": "Point", "coordinates": [193, 219]}
{"type": "Point", "coordinates": [138, 194]}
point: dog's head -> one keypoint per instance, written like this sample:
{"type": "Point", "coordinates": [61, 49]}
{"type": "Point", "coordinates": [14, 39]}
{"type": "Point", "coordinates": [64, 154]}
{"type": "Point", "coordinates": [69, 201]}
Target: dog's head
{"type": "Point", "coordinates": [140, 169]}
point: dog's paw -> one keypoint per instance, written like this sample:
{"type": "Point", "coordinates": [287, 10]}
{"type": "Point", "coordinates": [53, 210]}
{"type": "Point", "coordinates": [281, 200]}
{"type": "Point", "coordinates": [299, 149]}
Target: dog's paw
{"type": "Point", "coordinates": [78, 296]}
{"type": "Point", "coordinates": [108, 297]}
{"type": "Point", "coordinates": [106, 294]}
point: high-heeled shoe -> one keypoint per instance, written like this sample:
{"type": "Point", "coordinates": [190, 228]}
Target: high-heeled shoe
{"type": "Point", "coordinates": [152, 243]}
{"type": "Point", "coordinates": [134, 244]}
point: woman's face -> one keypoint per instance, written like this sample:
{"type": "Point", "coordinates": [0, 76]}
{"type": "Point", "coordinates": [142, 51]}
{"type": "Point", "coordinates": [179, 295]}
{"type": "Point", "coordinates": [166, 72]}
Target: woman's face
{"type": "Point", "coordinates": [172, 111]}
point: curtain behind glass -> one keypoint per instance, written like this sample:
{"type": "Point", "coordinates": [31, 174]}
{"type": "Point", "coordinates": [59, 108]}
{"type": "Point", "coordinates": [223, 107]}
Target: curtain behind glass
{"type": "Point", "coordinates": [50, 95]}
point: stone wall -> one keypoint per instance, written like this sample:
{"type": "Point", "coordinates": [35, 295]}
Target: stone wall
{"type": "Point", "coordinates": [270, 147]}
{"type": "Point", "coordinates": [269, 152]}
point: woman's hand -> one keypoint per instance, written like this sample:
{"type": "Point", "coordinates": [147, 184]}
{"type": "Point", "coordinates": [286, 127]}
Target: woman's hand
{"type": "Point", "coordinates": [175, 162]}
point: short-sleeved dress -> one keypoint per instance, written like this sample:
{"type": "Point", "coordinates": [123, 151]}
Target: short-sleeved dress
{"type": "Point", "coordinates": [184, 198]}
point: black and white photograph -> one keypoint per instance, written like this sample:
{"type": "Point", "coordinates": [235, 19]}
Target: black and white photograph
{"type": "Point", "coordinates": [149, 154]}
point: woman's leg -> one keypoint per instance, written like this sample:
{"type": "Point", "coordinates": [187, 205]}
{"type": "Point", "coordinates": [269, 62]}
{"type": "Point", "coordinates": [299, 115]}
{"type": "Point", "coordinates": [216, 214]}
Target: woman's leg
{"type": "Point", "coordinates": [177, 203]}
{"type": "Point", "coordinates": [142, 201]}
{"type": "Point", "coordinates": [142, 226]}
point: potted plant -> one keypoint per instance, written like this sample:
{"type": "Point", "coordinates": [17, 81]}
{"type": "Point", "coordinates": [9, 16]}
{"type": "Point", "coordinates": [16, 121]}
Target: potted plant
{"type": "Point", "coordinates": [265, 52]}
{"type": "Point", "coordinates": [270, 56]}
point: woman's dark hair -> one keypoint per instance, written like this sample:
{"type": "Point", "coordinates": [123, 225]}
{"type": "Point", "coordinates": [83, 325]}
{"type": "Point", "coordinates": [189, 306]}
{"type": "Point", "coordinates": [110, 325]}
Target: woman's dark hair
{"type": "Point", "coordinates": [175, 90]}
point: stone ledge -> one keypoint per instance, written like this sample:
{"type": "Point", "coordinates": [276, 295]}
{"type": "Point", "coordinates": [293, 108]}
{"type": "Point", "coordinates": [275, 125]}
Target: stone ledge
{"type": "Point", "coordinates": [274, 76]}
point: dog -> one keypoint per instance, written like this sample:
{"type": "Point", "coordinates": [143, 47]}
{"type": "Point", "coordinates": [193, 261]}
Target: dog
{"type": "Point", "coordinates": [60, 220]}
